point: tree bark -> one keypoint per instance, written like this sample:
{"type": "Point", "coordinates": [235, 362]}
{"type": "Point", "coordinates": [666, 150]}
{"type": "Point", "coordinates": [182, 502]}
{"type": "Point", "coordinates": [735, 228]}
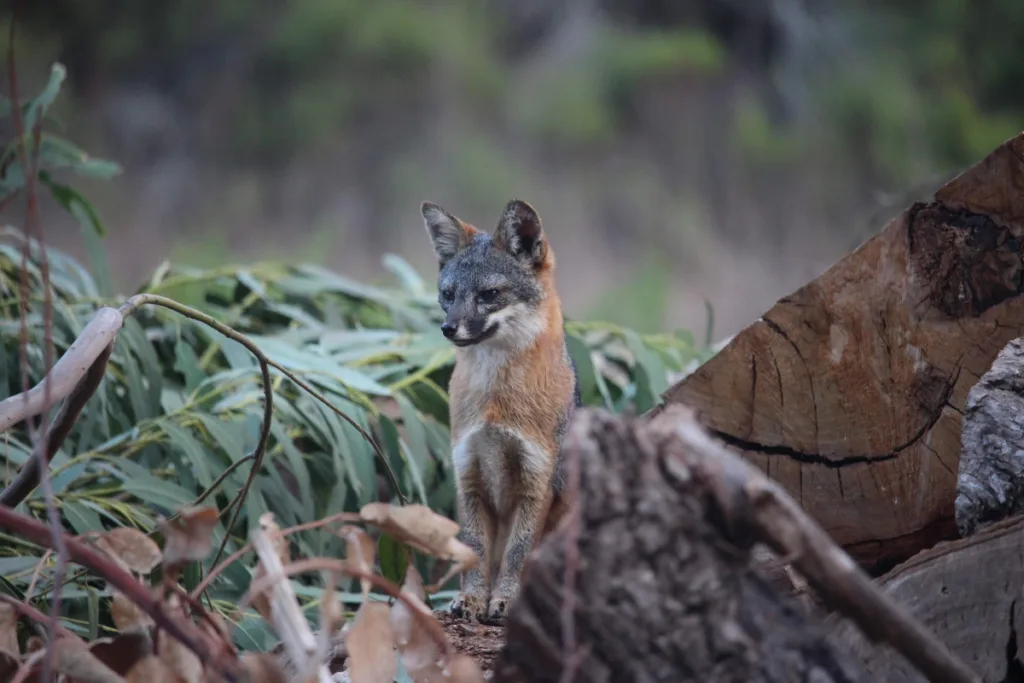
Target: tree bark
{"type": "Point", "coordinates": [991, 482]}
{"type": "Point", "coordinates": [850, 391]}
{"type": "Point", "coordinates": [969, 594]}
{"type": "Point", "coordinates": [661, 581]}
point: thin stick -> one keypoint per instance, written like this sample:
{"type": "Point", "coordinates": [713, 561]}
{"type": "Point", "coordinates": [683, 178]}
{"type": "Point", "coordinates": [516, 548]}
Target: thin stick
{"type": "Point", "coordinates": [233, 557]}
{"type": "Point", "coordinates": [138, 300]}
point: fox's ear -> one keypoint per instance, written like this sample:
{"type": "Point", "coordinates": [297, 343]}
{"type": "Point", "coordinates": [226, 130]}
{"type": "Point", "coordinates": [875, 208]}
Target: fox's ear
{"type": "Point", "coordinates": [520, 233]}
{"type": "Point", "coordinates": [448, 234]}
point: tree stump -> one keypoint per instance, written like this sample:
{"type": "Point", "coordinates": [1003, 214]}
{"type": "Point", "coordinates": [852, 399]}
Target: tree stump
{"type": "Point", "coordinates": [991, 482]}
{"type": "Point", "coordinates": [850, 391]}
{"type": "Point", "coordinates": [662, 588]}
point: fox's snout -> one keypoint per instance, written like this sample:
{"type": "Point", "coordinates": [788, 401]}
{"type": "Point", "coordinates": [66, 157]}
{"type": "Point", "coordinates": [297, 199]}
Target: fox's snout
{"type": "Point", "coordinates": [463, 323]}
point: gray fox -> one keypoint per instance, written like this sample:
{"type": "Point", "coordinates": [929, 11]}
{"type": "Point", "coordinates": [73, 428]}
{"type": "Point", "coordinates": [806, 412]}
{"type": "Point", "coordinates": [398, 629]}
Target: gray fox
{"type": "Point", "coordinates": [512, 394]}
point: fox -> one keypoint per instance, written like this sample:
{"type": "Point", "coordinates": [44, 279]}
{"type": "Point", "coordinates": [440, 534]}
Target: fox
{"type": "Point", "coordinates": [512, 394]}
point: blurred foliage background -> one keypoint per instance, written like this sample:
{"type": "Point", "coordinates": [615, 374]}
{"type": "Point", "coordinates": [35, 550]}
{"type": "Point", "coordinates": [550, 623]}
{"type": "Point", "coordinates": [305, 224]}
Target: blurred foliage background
{"type": "Point", "coordinates": [714, 149]}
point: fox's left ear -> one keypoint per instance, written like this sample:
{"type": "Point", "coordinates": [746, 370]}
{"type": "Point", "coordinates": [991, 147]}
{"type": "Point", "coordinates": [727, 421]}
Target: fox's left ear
{"type": "Point", "coordinates": [519, 232]}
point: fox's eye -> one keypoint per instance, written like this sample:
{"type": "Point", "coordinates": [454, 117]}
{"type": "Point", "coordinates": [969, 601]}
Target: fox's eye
{"type": "Point", "coordinates": [488, 295]}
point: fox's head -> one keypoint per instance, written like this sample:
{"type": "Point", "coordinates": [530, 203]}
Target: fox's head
{"type": "Point", "coordinates": [491, 287]}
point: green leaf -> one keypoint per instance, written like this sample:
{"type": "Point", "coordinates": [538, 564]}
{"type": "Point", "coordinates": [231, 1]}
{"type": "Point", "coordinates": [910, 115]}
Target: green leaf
{"type": "Point", "coordinates": [394, 558]}
{"type": "Point", "coordinates": [193, 451]}
{"type": "Point", "coordinates": [37, 108]}
{"type": "Point", "coordinates": [585, 374]}
{"type": "Point", "coordinates": [80, 517]}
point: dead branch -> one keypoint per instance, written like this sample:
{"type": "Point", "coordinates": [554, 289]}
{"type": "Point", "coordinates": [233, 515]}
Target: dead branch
{"type": "Point", "coordinates": [285, 615]}
{"type": "Point", "coordinates": [67, 372]}
{"type": "Point", "coordinates": [28, 476]}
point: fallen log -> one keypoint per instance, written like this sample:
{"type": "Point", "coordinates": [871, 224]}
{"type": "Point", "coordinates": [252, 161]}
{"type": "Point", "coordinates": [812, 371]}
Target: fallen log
{"type": "Point", "coordinates": [969, 594]}
{"type": "Point", "coordinates": [850, 391]}
{"type": "Point", "coordinates": [991, 482]}
{"type": "Point", "coordinates": [653, 580]}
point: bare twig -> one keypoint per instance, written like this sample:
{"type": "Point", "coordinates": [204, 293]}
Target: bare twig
{"type": "Point", "coordinates": [283, 533]}
{"type": "Point", "coordinates": [183, 631]}
{"type": "Point", "coordinates": [34, 227]}
{"type": "Point", "coordinates": [752, 503]}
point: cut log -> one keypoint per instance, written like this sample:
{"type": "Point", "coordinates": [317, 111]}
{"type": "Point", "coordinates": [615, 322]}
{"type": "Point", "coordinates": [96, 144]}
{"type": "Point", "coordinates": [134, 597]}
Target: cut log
{"type": "Point", "coordinates": [991, 482]}
{"type": "Point", "coordinates": [968, 593]}
{"type": "Point", "coordinates": [653, 580]}
{"type": "Point", "coordinates": [850, 391]}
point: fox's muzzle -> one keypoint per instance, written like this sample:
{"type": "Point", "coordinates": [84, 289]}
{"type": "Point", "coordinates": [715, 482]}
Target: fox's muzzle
{"type": "Point", "coordinates": [464, 326]}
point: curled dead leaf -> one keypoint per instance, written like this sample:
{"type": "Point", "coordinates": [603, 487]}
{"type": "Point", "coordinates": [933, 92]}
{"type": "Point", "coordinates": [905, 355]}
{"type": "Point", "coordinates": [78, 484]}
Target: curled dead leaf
{"type": "Point", "coordinates": [183, 664]}
{"type": "Point", "coordinates": [8, 628]}
{"type": "Point", "coordinates": [361, 550]}
{"type": "Point", "coordinates": [189, 536]}
{"type": "Point", "coordinates": [73, 658]}
{"type": "Point", "coordinates": [371, 657]}
{"type": "Point", "coordinates": [149, 669]}
{"type": "Point", "coordinates": [261, 667]}
{"type": "Point", "coordinates": [464, 669]}
{"type": "Point", "coordinates": [127, 616]}
{"type": "Point", "coordinates": [417, 649]}
{"type": "Point", "coordinates": [131, 548]}
{"type": "Point", "coordinates": [9, 663]}
{"type": "Point", "coordinates": [122, 652]}
{"type": "Point", "coordinates": [423, 529]}
{"type": "Point", "coordinates": [34, 644]}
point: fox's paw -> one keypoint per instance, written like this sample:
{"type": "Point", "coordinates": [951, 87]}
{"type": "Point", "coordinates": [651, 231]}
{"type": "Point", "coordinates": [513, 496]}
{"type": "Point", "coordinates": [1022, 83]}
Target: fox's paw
{"type": "Point", "coordinates": [496, 609]}
{"type": "Point", "coordinates": [468, 605]}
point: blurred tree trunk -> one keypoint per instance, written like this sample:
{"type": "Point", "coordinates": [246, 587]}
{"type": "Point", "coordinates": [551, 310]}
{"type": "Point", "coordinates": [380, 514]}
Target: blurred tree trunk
{"type": "Point", "coordinates": [660, 579]}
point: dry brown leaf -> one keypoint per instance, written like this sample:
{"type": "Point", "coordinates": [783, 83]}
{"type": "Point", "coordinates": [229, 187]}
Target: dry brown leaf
{"type": "Point", "coordinates": [361, 550]}
{"type": "Point", "coordinates": [127, 616]}
{"type": "Point", "coordinates": [131, 548]}
{"type": "Point", "coordinates": [9, 663]}
{"type": "Point", "coordinates": [464, 669]}
{"type": "Point", "coordinates": [189, 536]}
{"type": "Point", "coordinates": [423, 529]}
{"type": "Point", "coordinates": [371, 655]}
{"type": "Point", "coordinates": [8, 628]}
{"type": "Point", "coordinates": [149, 669]}
{"type": "Point", "coordinates": [74, 659]}
{"type": "Point", "coordinates": [261, 667]}
{"type": "Point", "coordinates": [122, 652]}
{"type": "Point", "coordinates": [419, 651]}
{"type": "Point", "coordinates": [34, 644]}
{"type": "Point", "coordinates": [183, 664]}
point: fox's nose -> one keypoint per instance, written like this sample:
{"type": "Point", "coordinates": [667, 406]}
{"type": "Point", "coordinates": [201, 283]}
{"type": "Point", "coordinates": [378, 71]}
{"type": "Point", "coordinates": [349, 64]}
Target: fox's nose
{"type": "Point", "coordinates": [448, 329]}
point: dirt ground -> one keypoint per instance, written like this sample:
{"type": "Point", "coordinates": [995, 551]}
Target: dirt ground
{"type": "Point", "coordinates": [479, 641]}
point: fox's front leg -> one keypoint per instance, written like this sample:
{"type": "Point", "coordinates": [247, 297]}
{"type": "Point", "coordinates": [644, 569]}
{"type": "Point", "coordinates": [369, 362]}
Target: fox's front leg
{"type": "Point", "coordinates": [476, 530]}
{"type": "Point", "coordinates": [526, 525]}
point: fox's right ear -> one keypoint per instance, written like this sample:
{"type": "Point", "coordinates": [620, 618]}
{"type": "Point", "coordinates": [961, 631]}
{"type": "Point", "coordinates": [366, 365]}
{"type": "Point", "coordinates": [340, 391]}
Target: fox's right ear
{"type": "Point", "coordinates": [448, 234]}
